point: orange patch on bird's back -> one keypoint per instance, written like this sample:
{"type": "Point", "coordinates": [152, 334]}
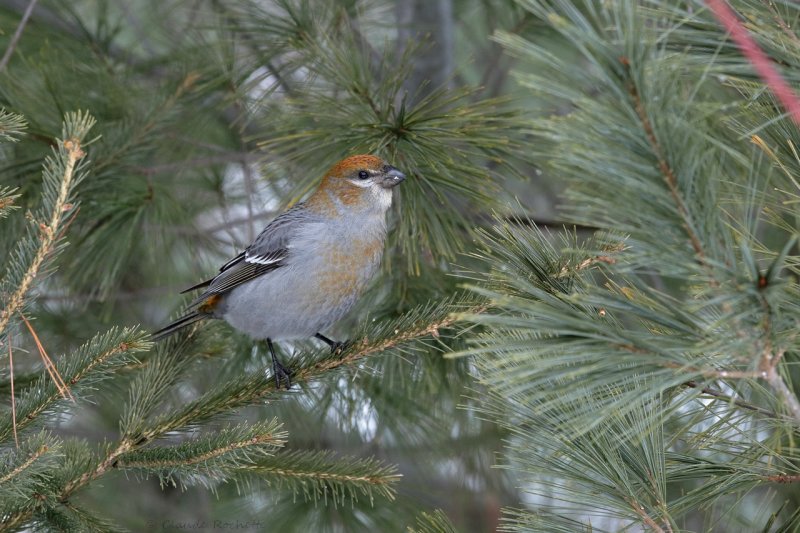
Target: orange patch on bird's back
{"type": "Point", "coordinates": [210, 303]}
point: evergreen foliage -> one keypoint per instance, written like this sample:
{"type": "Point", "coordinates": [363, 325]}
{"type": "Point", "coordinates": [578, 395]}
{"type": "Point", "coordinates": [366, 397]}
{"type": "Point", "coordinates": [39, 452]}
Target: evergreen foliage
{"type": "Point", "coordinates": [648, 375]}
{"type": "Point", "coordinates": [633, 369]}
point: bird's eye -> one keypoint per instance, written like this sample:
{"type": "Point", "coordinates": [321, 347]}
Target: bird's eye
{"type": "Point", "coordinates": [362, 175]}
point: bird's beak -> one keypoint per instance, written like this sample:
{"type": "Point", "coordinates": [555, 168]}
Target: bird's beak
{"type": "Point", "coordinates": [391, 177]}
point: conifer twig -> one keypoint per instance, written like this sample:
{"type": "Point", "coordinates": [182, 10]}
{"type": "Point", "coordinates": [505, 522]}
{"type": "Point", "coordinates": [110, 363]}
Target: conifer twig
{"type": "Point", "coordinates": [669, 176]}
{"type": "Point", "coordinates": [28, 462]}
{"type": "Point", "coordinates": [100, 359]}
{"type": "Point", "coordinates": [735, 401]}
{"type": "Point", "coordinates": [784, 478]}
{"type": "Point", "coordinates": [646, 519]}
{"type": "Point", "coordinates": [780, 22]}
{"type": "Point", "coordinates": [49, 233]}
{"type": "Point", "coordinates": [290, 472]}
{"type": "Point", "coordinates": [12, 45]}
{"type": "Point", "coordinates": [783, 391]}
{"type": "Point", "coordinates": [768, 367]}
{"type": "Point", "coordinates": [275, 439]}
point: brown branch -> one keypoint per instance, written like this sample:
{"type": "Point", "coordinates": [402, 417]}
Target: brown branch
{"type": "Point", "coordinates": [730, 399]}
{"type": "Point", "coordinates": [202, 162]}
{"type": "Point", "coordinates": [124, 446]}
{"type": "Point", "coordinates": [12, 45]}
{"type": "Point", "coordinates": [275, 439]}
{"type": "Point", "coordinates": [496, 71]}
{"type": "Point", "coordinates": [363, 350]}
{"type": "Point", "coordinates": [356, 352]}
{"type": "Point", "coordinates": [784, 392]}
{"type": "Point", "coordinates": [768, 373]}
{"type": "Point", "coordinates": [668, 174]}
{"type": "Point", "coordinates": [768, 365]}
{"type": "Point", "coordinates": [783, 478]}
{"type": "Point", "coordinates": [372, 480]}
{"type": "Point", "coordinates": [649, 522]}
{"type": "Point", "coordinates": [28, 462]}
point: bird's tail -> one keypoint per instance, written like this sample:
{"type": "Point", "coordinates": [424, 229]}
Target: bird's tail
{"type": "Point", "coordinates": [180, 323]}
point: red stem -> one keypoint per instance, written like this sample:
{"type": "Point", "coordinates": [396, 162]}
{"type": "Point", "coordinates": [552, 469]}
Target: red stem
{"type": "Point", "coordinates": [761, 63]}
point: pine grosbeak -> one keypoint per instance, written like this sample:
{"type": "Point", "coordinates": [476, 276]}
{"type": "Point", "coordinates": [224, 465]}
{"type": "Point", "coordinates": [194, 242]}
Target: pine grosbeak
{"type": "Point", "coordinates": [308, 267]}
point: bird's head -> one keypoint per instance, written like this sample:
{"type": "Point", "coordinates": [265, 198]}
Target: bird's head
{"type": "Point", "coordinates": [357, 182]}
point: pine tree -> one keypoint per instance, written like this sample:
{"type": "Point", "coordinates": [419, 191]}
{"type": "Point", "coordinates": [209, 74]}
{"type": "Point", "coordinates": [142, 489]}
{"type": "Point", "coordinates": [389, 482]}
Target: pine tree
{"type": "Point", "coordinates": [635, 369]}
{"type": "Point", "coordinates": [648, 374]}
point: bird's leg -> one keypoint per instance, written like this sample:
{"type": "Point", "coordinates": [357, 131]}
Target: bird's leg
{"type": "Point", "coordinates": [336, 346]}
{"type": "Point", "coordinates": [280, 372]}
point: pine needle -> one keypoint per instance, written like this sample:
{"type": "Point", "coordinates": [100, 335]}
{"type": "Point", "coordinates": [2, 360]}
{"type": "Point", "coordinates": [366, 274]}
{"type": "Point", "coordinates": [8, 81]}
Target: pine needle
{"type": "Point", "coordinates": [13, 396]}
{"type": "Point", "coordinates": [48, 363]}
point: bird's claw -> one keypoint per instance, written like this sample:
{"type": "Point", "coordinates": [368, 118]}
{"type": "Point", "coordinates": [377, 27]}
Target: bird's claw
{"type": "Point", "coordinates": [281, 373]}
{"type": "Point", "coordinates": [338, 347]}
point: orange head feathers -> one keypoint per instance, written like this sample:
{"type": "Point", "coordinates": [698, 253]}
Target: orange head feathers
{"type": "Point", "coordinates": [358, 182]}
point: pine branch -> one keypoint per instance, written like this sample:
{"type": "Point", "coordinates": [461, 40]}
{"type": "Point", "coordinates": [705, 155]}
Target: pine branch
{"type": "Point", "coordinates": [22, 467]}
{"type": "Point", "coordinates": [435, 522]}
{"type": "Point", "coordinates": [160, 375]}
{"type": "Point", "coordinates": [208, 459]}
{"type": "Point", "coordinates": [67, 516]}
{"type": "Point", "coordinates": [7, 199]}
{"type": "Point", "coordinates": [714, 393]}
{"type": "Point", "coordinates": [322, 475]}
{"type": "Point", "coordinates": [775, 380]}
{"type": "Point", "coordinates": [24, 471]}
{"type": "Point", "coordinates": [770, 359]}
{"type": "Point", "coordinates": [443, 139]}
{"type": "Point", "coordinates": [365, 475]}
{"type": "Point", "coordinates": [81, 370]}
{"type": "Point", "coordinates": [423, 322]}
{"type": "Point", "coordinates": [60, 178]}
{"type": "Point", "coordinates": [12, 126]}
{"type": "Point", "coordinates": [669, 176]}
{"type": "Point", "coordinates": [646, 520]}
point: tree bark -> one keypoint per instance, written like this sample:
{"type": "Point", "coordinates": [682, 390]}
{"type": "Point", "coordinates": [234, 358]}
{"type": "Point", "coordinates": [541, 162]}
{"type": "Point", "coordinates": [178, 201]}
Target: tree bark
{"type": "Point", "coordinates": [427, 25]}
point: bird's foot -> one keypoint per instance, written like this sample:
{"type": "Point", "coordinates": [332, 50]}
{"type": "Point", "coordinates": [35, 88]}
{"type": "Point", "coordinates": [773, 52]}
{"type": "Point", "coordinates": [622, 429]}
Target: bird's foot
{"type": "Point", "coordinates": [281, 374]}
{"type": "Point", "coordinates": [339, 347]}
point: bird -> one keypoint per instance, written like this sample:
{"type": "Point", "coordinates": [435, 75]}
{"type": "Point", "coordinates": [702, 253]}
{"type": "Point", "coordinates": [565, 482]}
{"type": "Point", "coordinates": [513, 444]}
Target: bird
{"type": "Point", "coordinates": [308, 266]}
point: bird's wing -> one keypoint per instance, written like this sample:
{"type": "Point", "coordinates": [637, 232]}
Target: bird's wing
{"type": "Point", "coordinates": [267, 253]}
